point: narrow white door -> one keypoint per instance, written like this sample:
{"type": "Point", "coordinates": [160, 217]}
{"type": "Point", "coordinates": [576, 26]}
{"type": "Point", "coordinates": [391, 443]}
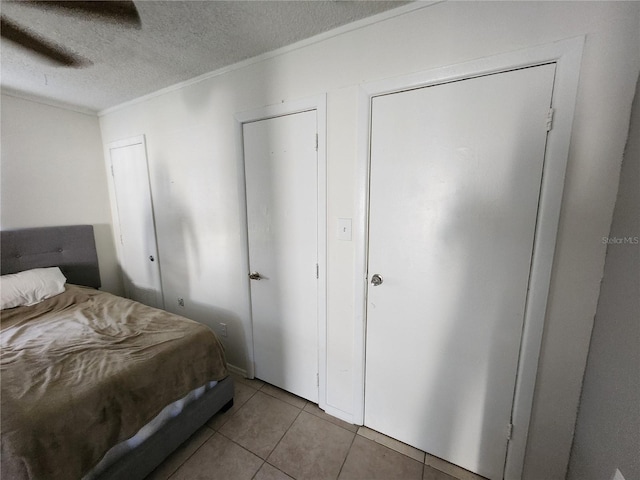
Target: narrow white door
{"type": "Point", "coordinates": [137, 234]}
{"type": "Point", "coordinates": [455, 179]}
{"type": "Point", "coordinates": [282, 203]}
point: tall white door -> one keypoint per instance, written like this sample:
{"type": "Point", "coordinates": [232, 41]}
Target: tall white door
{"type": "Point", "coordinates": [138, 247]}
{"type": "Point", "coordinates": [281, 172]}
{"type": "Point", "coordinates": [455, 179]}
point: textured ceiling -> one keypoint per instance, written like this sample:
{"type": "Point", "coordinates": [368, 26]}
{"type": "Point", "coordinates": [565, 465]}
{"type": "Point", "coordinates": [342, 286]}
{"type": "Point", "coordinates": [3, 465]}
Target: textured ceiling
{"type": "Point", "coordinates": [178, 40]}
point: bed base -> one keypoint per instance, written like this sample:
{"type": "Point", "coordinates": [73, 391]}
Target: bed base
{"type": "Point", "coordinates": [141, 461]}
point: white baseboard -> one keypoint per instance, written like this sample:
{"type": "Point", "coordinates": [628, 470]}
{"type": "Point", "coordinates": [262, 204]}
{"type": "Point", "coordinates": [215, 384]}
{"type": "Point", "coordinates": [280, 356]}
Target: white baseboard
{"type": "Point", "coordinates": [335, 412]}
{"type": "Point", "coordinates": [237, 370]}
{"type": "Point", "coordinates": [329, 410]}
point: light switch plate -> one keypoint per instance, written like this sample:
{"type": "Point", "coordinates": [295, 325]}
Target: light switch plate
{"type": "Point", "coordinates": [344, 229]}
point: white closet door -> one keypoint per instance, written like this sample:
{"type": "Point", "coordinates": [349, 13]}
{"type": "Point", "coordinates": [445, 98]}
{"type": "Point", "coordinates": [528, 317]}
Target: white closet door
{"type": "Point", "coordinates": [455, 179]}
{"type": "Point", "coordinates": [281, 172]}
{"type": "Point", "coordinates": [138, 247]}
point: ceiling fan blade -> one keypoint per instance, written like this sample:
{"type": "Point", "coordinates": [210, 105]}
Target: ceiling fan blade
{"type": "Point", "coordinates": [53, 52]}
{"type": "Point", "coordinates": [120, 12]}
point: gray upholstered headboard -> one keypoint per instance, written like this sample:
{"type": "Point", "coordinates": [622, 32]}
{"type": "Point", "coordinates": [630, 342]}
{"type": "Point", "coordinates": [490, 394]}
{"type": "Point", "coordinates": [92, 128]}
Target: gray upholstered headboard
{"type": "Point", "coordinates": [72, 248]}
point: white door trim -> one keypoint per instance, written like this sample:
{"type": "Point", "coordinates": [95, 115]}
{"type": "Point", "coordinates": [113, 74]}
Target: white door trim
{"type": "Point", "coordinates": [319, 104]}
{"type": "Point", "coordinates": [127, 142]}
{"type": "Point", "coordinates": [566, 54]}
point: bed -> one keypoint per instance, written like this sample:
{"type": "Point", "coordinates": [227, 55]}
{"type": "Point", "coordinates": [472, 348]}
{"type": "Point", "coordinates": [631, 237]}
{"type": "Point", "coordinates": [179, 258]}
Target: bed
{"type": "Point", "coordinates": [95, 386]}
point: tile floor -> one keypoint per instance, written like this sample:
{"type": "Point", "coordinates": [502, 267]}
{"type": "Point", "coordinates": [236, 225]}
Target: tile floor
{"type": "Point", "coordinates": [270, 434]}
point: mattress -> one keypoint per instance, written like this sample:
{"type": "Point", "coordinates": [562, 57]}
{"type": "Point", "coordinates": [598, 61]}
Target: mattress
{"type": "Point", "coordinates": [85, 371]}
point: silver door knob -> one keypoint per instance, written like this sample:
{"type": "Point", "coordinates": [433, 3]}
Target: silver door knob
{"type": "Point", "coordinates": [376, 280]}
{"type": "Point", "coordinates": [151, 258]}
{"type": "Point", "coordinates": [254, 276]}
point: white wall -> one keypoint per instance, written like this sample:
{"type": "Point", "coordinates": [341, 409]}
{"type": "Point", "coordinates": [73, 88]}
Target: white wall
{"type": "Point", "coordinates": [53, 173]}
{"type": "Point", "coordinates": [194, 171]}
{"type": "Point", "coordinates": [608, 425]}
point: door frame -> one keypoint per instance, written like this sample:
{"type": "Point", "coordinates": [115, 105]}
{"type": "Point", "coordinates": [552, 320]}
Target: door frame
{"type": "Point", "coordinates": [319, 104]}
{"type": "Point", "coordinates": [567, 55]}
{"type": "Point", "coordinates": [115, 213]}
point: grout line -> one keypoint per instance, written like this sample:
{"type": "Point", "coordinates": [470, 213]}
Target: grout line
{"type": "Point", "coordinates": [391, 444]}
{"type": "Point", "coordinates": [259, 468]}
{"type": "Point", "coordinates": [286, 392]}
{"type": "Point", "coordinates": [300, 411]}
{"type": "Point", "coordinates": [246, 382]}
{"type": "Point", "coordinates": [328, 421]}
{"type": "Point", "coordinates": [243, 447]}
{"type": "Point", "coordinates": [281, 471]}
{"type": "Point", "coordinates": [283, 435]}
{"type": "Point", "coordinates": [223, 435]}
{"type": "Point", "coordinates": [189, 457]}
{"type": "Point", "coordinates": [285, 432]}
{"type": "Point", "coordinates": [228, 417]}
{"type": "Point", "coordinates": [284, 401]}
{"type": "Point", "coordinates": [347, 455]}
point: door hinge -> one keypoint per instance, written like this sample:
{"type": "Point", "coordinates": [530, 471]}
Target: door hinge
{"type": "Point", "coordinates": [112, 174]}
{"type": "Point", "coordinates": [316, 142]}
{"type": "Point", "coordinates": [317, 271]}
{"type": "Point", "coordinates": [317, 379]}
{"type": "Point", "coordinates": [550, 120]}
{"type": "Point", "coordinates": [509, 431]}
{"type": "Point", "coordinates": [121, 242]}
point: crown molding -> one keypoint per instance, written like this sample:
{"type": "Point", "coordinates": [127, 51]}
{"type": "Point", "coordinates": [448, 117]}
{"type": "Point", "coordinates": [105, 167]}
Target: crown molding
{"type": "Point", "coordinates": [11, 92]}
{"type": "Point", "coordinates": [350, 27]}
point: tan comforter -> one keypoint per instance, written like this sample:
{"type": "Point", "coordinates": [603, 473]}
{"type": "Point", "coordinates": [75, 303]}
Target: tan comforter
{"type": "Point", "coordinates": [85, 370]}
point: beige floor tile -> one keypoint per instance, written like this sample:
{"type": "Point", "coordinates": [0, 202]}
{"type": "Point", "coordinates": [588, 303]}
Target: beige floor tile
{"type": "Point", "coordinates": [312, 449]}
{"type": "Point", "coordinates": [453, 470]}
{"type": "Point", "coordinates": [251, 382]}
{"type": "Point", "coordinates": [283, 395]}
{"type": "Point", "coordinates": [242, 393]}
{"type": "Point", "coordinates": [368, 460]}
{"type": "Point", "coordinates": [313, 409]}
{"type": "Point", "coordinates": [269, 472]}
{"type": "Point", "coordinates": [431, 473]}
{"type": "Point", "coordinates": [219, 459]}
{"type": "Point", "coordinates": [180, 455]}
{"type": "Point", "coordinates": [260, 423]}
{"type": "Point", "coordinates": [392, 443]}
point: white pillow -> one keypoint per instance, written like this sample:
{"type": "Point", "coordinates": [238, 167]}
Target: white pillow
{"type": "Point", "coordinates": [30, 287]}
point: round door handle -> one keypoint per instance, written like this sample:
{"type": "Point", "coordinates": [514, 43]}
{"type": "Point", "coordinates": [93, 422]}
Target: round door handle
{"type": "Point", "coordinates": [376, 280]}
{"type": "Point", "coordinates": [254, 276]}
{"type": "Point", "coordinates": [151, 258]}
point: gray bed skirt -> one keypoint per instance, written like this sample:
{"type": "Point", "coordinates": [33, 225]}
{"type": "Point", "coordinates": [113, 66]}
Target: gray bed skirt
{"type": "Point", "coordinates": [142, 460]}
